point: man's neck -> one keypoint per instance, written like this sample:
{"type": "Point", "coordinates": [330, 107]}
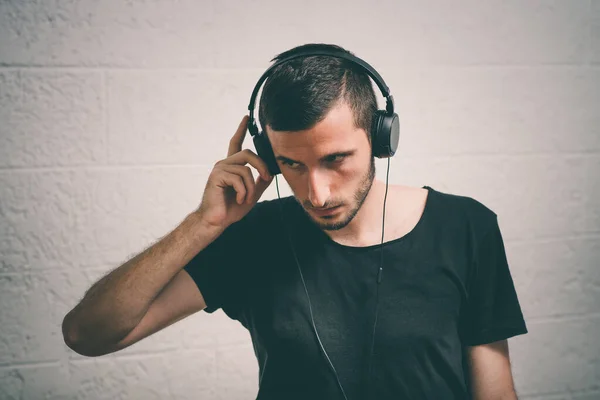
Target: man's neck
{"type": "Point", "coordinates": [366, 224]}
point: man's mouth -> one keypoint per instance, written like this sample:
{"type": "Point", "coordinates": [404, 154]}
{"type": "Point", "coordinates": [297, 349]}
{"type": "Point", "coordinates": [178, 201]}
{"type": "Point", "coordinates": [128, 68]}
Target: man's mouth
{"type": "Point", "coordinates": [325, 211]}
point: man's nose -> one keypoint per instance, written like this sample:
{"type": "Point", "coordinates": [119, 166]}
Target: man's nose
{"type": "Point", "coordinates": [318, 189]}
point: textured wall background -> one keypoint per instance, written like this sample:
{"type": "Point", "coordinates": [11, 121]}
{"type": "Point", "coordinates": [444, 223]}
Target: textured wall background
{"type": "Point", "coordinates": [112, 114]}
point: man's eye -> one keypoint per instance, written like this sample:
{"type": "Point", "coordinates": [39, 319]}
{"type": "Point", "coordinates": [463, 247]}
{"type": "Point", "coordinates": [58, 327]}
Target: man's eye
{"type": "Point", "coordinates": [290, 164]}
{"type": "Point", "coordinates": [336, 159]}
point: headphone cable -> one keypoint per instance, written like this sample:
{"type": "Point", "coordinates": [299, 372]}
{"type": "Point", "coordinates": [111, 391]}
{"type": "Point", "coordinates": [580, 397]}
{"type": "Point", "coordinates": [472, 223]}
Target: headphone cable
{"type": "Point", "coordinates": [379, 277]}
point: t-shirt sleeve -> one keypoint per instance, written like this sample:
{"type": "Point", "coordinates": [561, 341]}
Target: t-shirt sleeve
{"type": "Point", "coordinates": [223, 271]}
{"type": "Point", "coordinates": [492, 311]}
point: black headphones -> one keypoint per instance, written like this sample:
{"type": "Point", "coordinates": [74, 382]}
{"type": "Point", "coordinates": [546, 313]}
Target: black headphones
{"type": "Point", "coordinates": [384, 140]}
{"type": "Point", "coordinates": [385, 129]}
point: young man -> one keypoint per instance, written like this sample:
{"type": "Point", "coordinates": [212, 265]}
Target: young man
{"type": "Point", "coordinates": [435, 283]}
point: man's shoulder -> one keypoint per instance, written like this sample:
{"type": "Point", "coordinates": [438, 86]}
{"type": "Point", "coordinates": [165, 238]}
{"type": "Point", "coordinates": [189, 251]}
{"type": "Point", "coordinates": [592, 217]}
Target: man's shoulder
{"type": "Point", "coordinates": [467, 203]}
{"type": "Point", "coordinates": [463, 209]}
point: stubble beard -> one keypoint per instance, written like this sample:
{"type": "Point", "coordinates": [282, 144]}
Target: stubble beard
{"type": "Point", "coordinates": [358, 199]}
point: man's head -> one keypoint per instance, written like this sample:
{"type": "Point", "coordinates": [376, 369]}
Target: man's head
{"type": "Point", "coordinates": [317, 113]}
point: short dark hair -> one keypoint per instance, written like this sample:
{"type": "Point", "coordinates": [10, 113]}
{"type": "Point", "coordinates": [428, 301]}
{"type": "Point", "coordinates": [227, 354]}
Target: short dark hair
{"type": "Point", "coordinates": [299, 93]}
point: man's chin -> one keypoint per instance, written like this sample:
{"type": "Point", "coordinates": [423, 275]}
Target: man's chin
{"type": "Point", "coordinates": [330, 223]}
{"type": "Point", "coordinates": [332, 227]}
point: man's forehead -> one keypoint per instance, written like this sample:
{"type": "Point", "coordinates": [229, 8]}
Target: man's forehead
{"type": "Point", "coordinates": [336, 132]}
{"type": "Point", "coordinates": [316, 143]}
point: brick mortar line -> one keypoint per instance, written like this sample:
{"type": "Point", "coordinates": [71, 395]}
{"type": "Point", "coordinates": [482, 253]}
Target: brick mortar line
{"type": "Point", "coordinates": [567, 317]}
{"type": "Point", "coordinates": [508, 242]}
{"type": "Point", "coordinates": [28, 365]}
{"type": "Point", "coordinates": [105, 114]}
{"type": "Point", "coordinates": [115, 357]}
{"type": "Point", "coordinates": [554, 238]}
{"type": "Point", "coordinates": [584, 65]}
{"type": "Point", "coordinates": [100, 167]}
{"type": "Point", "coordinates": [259, 70]}
{"type": "Point", "coordinates": [542, 395]}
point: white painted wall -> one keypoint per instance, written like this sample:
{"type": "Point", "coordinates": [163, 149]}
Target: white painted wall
{"type": "Point", "coordinates": [112, 114]}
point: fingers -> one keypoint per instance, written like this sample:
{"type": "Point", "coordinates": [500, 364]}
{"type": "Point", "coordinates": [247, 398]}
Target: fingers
{"type": "Point", "coordinates": [247, 156]}
{"type": "Point", "coordinates": [235, 144]}
{"type": "Point", "coordinates": [234, 172]}
{"type": "Point", "coordinates": [247, 179]}
{"type": "Point", "coordinates": [228, 179]}
{"type": "Point", "coordinates": [240, 178]}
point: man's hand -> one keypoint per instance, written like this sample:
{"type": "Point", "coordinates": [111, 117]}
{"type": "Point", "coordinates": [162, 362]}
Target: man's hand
{"type": "Point", "coordinates": [231, 190]}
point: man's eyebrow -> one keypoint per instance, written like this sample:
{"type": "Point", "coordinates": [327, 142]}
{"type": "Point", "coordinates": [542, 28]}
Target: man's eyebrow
{"type": "Point", "coordinates": [286, 159]}
{"type": "Point", "coordinates": [324, 158]}
{"type": "Point", "coordinates": [337, 154]}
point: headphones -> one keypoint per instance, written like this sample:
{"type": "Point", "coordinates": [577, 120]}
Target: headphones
{"type": "Point", "coordinates": [385, 131]}
{"type": "Point", "coordinates": [385, 127]}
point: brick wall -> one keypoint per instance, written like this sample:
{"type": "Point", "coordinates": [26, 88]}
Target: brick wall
{"type": "Point", "coordinates": [112, 114]}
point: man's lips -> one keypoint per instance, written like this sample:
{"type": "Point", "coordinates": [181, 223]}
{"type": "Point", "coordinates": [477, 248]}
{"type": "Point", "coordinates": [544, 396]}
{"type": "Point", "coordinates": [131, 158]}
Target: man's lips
{"type": "Point", "coordinates": [326, 211]}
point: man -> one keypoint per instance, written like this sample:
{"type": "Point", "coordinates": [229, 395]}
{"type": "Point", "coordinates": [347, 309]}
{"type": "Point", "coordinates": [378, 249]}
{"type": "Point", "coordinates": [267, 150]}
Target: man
{"type": "Point", "coordinates": [311, 275]}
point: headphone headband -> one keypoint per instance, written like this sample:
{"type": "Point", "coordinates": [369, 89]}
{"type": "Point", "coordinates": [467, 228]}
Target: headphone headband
{"type": "Point", "coordinates": [389, 106]}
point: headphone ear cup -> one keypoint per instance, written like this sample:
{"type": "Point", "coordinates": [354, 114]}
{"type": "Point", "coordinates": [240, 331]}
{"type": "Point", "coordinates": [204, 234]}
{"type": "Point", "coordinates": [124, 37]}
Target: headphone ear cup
{"type": "Point", "coordinates": [385, 134]}
{"type": "Point", "coordinates": [376, 134]}
{"type": "Point", "coordinates": [265, 152]}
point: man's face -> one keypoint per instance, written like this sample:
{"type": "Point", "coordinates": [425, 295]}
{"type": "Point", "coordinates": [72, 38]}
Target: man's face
{"type": "Point", "coordinates": [329, 165]}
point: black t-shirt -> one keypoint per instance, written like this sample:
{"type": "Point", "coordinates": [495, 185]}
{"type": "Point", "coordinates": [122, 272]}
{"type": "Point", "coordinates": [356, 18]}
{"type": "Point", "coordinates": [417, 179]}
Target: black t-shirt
{"type": "Point", "coordinates": [445, 285]}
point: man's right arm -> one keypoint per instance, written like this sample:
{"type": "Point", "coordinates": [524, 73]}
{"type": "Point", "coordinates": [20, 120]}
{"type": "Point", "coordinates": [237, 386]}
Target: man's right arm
{"type": "Point", "coordinates": [144, 295]}
{"type": "Point", "coordinates": [153, 290]}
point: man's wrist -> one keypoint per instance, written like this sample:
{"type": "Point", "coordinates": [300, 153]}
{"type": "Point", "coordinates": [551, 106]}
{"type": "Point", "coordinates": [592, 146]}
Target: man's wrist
{"type": "Point", "coordinates": [201, 228]}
